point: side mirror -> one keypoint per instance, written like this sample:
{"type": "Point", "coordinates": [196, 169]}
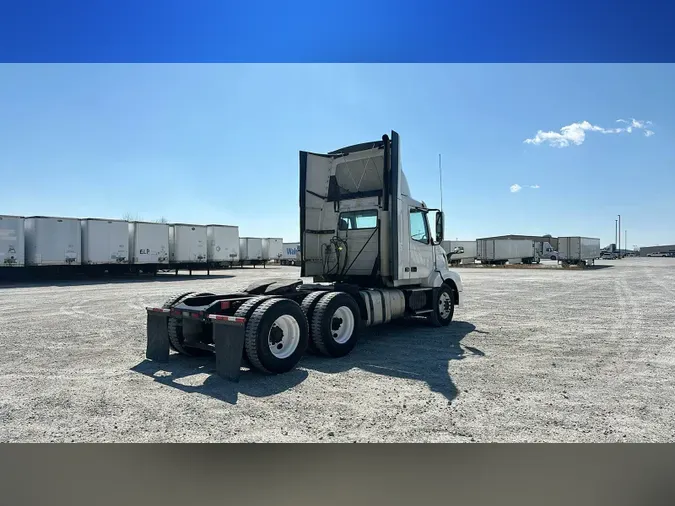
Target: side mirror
{"type": "Point", "coordinates": [440, 226]}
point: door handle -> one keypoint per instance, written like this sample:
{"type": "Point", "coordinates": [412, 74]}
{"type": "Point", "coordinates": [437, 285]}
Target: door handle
{"type": "Point", "coordinates": [407, 269]}
{"type": "Point", "coordinates": [413, 269]}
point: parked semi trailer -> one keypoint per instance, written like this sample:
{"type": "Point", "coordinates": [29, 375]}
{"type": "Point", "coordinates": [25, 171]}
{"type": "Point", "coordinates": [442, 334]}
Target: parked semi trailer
{"type": "Point", "coordinates": [366, 244]}
{"type": "Point", "coordinates": [105, 244]}
{"type": "Point", "coordinates": [272, 249]}
{"type": "Point", "coordinates": [250, 251]}
{"type": "Point", "coordinates": [12, 249]}
{"type": "Point", "coordinates": [187, 247]}
{"type": "Point", "coordinates": [53, 243]}
{"type": "Point", "coordinates": [501, 251]}
{"type": "Point", "coordinates": [290, 253]}
{"type": "Point", "coordinates": [148, 244]}
{"type": "Point", "coordinates": [579, 250]}
{"type": "Point", "coordinates": [223, 245]}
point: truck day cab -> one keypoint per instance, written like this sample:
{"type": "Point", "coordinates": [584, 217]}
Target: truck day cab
{"type": "Point", "coordinates": [366, 244]}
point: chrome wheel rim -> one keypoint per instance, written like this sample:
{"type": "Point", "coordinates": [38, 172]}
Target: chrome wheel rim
{"type": "Point", "coordinates": [284, 336]}
{"type": "Point", "coordinates": [342, 325]}
{"type": "Point", "coordinates": [444, 305]}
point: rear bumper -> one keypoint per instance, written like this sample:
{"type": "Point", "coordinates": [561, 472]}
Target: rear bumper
{"type": "Point", "coordinates": [228, 333]}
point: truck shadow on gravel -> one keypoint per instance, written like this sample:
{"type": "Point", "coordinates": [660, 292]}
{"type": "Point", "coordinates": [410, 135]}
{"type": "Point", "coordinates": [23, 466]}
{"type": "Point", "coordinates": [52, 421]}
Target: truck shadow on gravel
{"type": "Point", "coordinates": [180, 371]}
{"type": "Point", "coordinates": [409, 350]}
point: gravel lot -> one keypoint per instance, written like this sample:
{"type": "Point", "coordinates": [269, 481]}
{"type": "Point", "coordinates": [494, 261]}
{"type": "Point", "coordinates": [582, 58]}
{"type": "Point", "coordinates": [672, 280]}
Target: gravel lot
{"type": "Point", "coordinates": [533, 355]}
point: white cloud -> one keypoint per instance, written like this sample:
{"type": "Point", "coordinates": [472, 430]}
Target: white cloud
{"type": "Point", "coordinates": [515, 188]}
{"type": "Point", "coordinates": [576, 133]}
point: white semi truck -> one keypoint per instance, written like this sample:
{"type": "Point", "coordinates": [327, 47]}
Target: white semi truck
{"type": "Point", "coordinates": [371, 253]}
{"type": "Point", "coordinates": [460, 252]}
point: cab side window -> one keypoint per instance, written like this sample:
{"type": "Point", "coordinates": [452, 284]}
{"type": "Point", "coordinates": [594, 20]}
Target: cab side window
{"type": "Point", "coordinates": [418, 226]}
{"type": "Point", "coordinates": [358, 220]}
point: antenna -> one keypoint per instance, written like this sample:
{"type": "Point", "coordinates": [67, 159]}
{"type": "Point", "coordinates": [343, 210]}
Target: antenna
{"type": "Point", "coordinates": [440, 178]}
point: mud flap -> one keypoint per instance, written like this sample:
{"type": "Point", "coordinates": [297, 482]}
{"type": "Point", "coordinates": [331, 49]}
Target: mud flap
{"type": "Point", "coordinates": [228, 338]}
{"type": "Point", "coordinates": [157, 348]}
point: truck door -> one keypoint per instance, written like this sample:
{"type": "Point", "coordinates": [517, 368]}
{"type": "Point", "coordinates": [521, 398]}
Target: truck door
{"type": "Point", "coordinates": [421, 251]}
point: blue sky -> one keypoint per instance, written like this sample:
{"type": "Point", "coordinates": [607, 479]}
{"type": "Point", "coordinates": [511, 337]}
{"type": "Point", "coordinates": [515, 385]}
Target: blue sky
{"type": "Point", "coordinates": [219, 143]}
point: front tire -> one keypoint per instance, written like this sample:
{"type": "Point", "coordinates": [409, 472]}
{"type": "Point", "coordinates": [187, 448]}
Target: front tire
{"type": "Point", "coordinates": [336, 324]}
{"type": "Point", "coordinates": [442, 314]}
{"type": "Point", "coordinates": [277, 334]}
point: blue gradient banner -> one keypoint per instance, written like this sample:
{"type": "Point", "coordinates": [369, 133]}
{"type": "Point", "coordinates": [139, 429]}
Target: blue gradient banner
{"type": "Point", "coordinates": [345, 31]}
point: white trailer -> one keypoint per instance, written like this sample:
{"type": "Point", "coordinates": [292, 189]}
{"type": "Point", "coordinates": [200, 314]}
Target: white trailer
{"type": "Point", "coordinates": [53, 241]}
{"type": "Point", "coordinates": [187, 243]}
{"type": "Point", "coordinates": [223, 244]}
{"type": "Point", "coordinates": [272, 248]}
{"type": "Point", "coordinates": [250, 250]}
{"type": "Point", "coordinates": [579, 250]}
{"type": "Point", "coordinates": [104, 241]}
{"type": "Point", "coordinates": [290, 253]}
{"type": "Point", "coordinates": [500, 251]}
{"type": "Point", "coordinates": [148, 243]}
{"type": "Point", "coordinates": [12, 246]}
{"type": "Point", "coordinates": [460, 252]}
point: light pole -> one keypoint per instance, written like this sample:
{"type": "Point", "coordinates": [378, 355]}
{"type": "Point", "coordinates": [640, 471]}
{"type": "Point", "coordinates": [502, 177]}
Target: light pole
{"type": "Point", "coordinates": [616, 232]}
{"type": "Point", "coordinates": [619, 236]}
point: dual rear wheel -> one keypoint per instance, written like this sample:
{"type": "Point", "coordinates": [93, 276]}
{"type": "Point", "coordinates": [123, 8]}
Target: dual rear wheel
{"type": "Point", "coordinates": [279, 331]}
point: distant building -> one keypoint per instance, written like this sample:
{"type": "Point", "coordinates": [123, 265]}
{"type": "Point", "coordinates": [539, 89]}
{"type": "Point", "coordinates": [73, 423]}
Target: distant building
{"type": "Point", "coordinates": [553, 241]}
{"type": "Point", "coordinates": [646, 250]}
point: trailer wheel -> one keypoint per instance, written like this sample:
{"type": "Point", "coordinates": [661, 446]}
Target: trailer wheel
{"type": "Point", "coordinates": [336, 324]}
{"type": "Point", "coordinates": [308, 306]}
{"type": "Point", "coordinates": [442, 314]}
{"type": "Point", "coordinates": [276, 336]}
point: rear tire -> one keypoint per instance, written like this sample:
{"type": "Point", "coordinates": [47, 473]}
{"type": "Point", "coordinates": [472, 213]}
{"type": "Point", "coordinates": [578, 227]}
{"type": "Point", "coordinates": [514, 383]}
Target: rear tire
{"type": "Point", "coordinates": [246, 310]}
{"type": "Point", "coordinates": [442, 314]}
{"type": "Point", "coordinates": [170, 302]}
{"type": "Point", "coordinates": [277, 334]}
{"type": "Point", "coordinates": [175, 329]}
{"type": "Point", "coordinates": [336, 324]}
{"type": "Point", "coordinates": [308, 305]}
